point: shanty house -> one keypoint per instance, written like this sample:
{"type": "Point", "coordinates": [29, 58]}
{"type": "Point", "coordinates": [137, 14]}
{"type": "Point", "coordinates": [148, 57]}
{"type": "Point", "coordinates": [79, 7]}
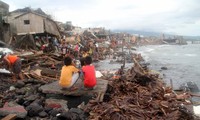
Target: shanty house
{"type": "Point", "coordinates": [4, 27]}
{"type": "Point", "coordinates": [32, 23]}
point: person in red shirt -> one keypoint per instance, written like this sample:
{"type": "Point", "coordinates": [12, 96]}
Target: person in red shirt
{"type": "Point", "coordinates": [89, 76]}
{"type": "Point", "coordinates": [14, 65]}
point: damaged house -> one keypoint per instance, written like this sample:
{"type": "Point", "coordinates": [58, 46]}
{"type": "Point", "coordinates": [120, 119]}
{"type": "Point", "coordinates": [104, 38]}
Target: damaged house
{"type": "Point", "coordinates": [4, 27]}
{"type": "Point", "coordinates": [27, 23]}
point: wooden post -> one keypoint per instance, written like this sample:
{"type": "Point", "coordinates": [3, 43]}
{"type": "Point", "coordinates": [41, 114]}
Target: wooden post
{"type": "Point", "coordinates": [171, 83]}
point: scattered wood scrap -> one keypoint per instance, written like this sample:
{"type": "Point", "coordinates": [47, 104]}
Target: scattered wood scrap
{"type": "Point", "coordinates": [41, 66]}
{"type": "Point", "coordinates": [141, 96]}
{"type": "Point", "coordinates": [10, 117]}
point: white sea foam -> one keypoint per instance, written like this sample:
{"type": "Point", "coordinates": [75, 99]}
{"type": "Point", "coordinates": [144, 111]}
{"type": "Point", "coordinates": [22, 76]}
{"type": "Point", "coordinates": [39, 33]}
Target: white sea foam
{"type": "Point", "coordinates": [149, 49]}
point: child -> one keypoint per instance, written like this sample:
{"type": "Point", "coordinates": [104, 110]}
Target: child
{"type": "Point", "coordinates": [14, 64]}
{"type": "Point", "coordinates": [63, 48]}
{"type": "Point", "coordinates": [89, 77]}
{"type": "Point", "coordinates": [66, 81]}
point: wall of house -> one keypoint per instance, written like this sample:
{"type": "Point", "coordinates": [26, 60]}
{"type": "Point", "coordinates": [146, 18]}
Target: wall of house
{"type": "Point", "coordinates": [4, 8]}
{"type": "Point", "coordinates": [35, 24]}
{"type": "Point", "coordinates": [51, 27]}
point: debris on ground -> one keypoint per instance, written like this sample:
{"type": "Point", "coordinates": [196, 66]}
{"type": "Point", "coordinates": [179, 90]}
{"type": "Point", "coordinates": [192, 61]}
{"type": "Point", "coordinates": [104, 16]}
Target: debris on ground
{"type": "Point", "coordinates": [139, 95]}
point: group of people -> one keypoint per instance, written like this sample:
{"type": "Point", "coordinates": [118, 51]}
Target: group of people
{"type": "Point", "coordinates": [86, 70]}
{"type": "Point", "coordinates": [86, 73]}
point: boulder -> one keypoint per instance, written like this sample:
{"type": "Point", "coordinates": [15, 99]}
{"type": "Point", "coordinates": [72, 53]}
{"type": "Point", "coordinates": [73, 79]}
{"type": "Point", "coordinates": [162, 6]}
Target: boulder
{"type": "Point", "coordinates": [163, 68]}
{"type": "Point", "coordinates": [56, 103]}
{"type": "Point", "coordinates": [13, 108]}
{"type": "Point", "coordinates": [34, 109]}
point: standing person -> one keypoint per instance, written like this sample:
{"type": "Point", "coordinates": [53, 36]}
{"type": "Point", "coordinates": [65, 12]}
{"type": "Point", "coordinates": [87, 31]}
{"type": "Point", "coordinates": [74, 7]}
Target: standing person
{"type": "Point", "coordinates": [55, 43]}
{"type": "Point", "coordinates": [76, 49]}
{"type": "Point", "coordinates": [96, 50]}
{"type": "Point", "coordinates": [63, 48]}
{"type": "Point", "coordinates": [89, 77]}
{"type": "Point", "coordinates": [66, 81]}
{"type": "Point", "coordinates": [85, 53]}
{"type": "Point", "coordinates": [14, 64]}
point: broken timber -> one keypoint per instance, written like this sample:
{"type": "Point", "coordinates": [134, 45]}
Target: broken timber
{"type": "Point", "coordinates": [54, 88]}
{"type": "Point", "coordinates": [10, 117]}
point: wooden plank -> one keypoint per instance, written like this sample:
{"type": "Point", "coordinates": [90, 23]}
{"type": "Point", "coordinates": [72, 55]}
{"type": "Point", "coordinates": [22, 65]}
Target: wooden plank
{"type": "Point", "coordinates": [100, 97]}
{"type": "Point", "coordinates": [48, 72]}
{"type": "Point", "coordinates": [10, 117]}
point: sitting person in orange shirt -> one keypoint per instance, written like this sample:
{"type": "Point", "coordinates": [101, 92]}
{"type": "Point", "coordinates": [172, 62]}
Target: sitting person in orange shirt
{"type": "Point", "coordinates": [14, 64]}
{"type": "Point", "coordinates": [66, 81]}
{"type": "Point", "coordinates": [89, 73]}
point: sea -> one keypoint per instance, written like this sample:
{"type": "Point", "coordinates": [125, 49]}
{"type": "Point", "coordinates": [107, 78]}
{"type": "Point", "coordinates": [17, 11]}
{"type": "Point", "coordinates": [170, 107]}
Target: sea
{"type": "Point", "coordinates": [182, 63]}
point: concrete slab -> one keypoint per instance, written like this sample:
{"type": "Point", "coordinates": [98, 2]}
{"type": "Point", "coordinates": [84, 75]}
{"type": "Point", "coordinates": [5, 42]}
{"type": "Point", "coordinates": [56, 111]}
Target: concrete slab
{"type": "Point", "coordinates": [54, 88]}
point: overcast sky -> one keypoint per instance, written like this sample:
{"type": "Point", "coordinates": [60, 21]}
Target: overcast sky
{"type": "Point", "coordinates": [169, 16]}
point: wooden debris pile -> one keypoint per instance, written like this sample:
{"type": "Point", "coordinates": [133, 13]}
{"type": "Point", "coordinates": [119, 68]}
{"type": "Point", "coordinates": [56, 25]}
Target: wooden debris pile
{"type": "Point", "coordinates": [41, 66]}
{"type": "Point", "coordinates": [139, 95]}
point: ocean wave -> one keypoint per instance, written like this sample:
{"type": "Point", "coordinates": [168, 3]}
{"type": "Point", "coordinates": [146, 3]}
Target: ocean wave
{"type": "Point", "coordinates": [176, 54]}
{"type": "Point", "coordinates": [160, 46]}
{"type": "Point", "coordinates": [191, 55]}
{"type": "Point", "coordinates": [145, 56]}
{"type": "Point", "coordinates": [149, 49]}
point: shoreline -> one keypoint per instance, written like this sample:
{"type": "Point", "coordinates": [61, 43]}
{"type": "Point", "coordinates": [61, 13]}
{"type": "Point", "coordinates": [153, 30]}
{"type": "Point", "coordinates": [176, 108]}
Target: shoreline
{"type": "Point", "coordinates": [174, 64]}
{"type": "Point", "coordinates": [132, 80]}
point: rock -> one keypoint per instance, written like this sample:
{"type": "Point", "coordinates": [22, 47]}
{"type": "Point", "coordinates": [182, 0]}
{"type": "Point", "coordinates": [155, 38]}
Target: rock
{"type": "Point", "coordinates": [164, 68]}
{"type": "Point", "coordinates": [54, 88]}
{"type": "Point", "coordinates": [9, 96]}
{"type": "Point", "coordinates": [56, 103]}
{"type": "Point", "coordinates": [43, 114]}
{"type": "Point", "coordinates": [54, 112]}
{"type": "Point", "coordinates": [31, 98]}
{"type": "Point", "coordinates": [19, 84]}
{"type": "Point", "coordinates": [55, 118]}
{"type": "Point", "coordinates": [26, 103]}
{"type": "Point", "coordinates": [48, 109]}
{"type": "Point", "coordinates": [78, 113]}
{"type": "Point", "coordinates": [20, 99]}
{"type": "Point", "coordinates": [13, 108]}
{"type": "Point", "coordinates": [40, 101]}
{"type": "Point", "coordinates": [189, 86]}
{"type": "Point", "coordinates": [66, 116]}
{"type": "Point", "coordinates": [76, 110]}
{"type": "Point", "coordinates": [21, 91]}
{"type": "Point", "coordinates": [12, 88]}
{"type": "Point", "coordinates": [34, 109]}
